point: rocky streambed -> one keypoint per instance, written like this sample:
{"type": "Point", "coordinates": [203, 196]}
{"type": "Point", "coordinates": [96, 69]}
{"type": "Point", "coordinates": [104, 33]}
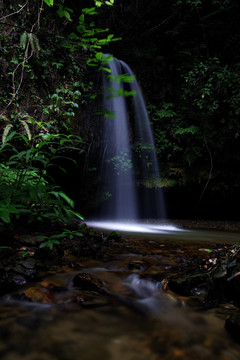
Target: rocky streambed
{"type": "Point", "coordinates": [114, 296]}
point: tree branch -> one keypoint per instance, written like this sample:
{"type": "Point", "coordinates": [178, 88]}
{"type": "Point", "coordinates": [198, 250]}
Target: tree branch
{"type": "Point", "coordinates": [16, 12]}
{"type": "Point", "coordinates": [27, 56]}
{"type": "Point", "coordinates": [210, 171]}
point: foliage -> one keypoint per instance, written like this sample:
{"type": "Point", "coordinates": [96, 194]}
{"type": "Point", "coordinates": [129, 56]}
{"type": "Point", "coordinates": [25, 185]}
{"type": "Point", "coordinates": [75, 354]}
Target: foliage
{"type": "Point", "coordinates": [47, 48]}
{"type": "Point", "coordinates": [186, 58]}
{"type": "Point", "coordinates": [50, 78]}
{"type": "Point", "coordinates": [50, 83]}
{"type": "Point", "coordinates": [54, 238]}
{"type": "Point", "coordinates": [50, 241]}
{"type": "Point", "coordinates": [89, 38]}
{"type": "Point", "coordinates": [63, 107]}
{"type": "Point", "coordinates": [26, 191]}
{"type": "Point", "coordinates": [121, 163]}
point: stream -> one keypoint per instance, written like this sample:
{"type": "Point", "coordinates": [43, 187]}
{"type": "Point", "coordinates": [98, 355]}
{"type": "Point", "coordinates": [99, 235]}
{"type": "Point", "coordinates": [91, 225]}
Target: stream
{"type": "Point", "coordinates": [124, 312]}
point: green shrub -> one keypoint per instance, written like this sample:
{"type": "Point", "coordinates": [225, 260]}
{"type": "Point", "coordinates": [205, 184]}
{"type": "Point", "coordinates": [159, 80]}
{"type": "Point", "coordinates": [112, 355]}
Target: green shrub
{"type": "Point", "coordinates": [25, 189]}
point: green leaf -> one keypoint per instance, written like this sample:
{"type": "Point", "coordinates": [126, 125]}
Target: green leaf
{"type": "Point", "coordinates": [103, 68]}
{"type": "Point", "coordinates": [57, 242]}
{"type": "Point", "coordinates": [98, 3]}
{"type": "Point", "coordinates": [99, 56]}
{"type": "Point", "coordinates": [42, 237]}
{"type": "Point", "coordinates": [110, 2]}
{"type": "Point", "coordinates": [23, 253]}
{"type": "Point", "coordinates": [6, 210]}
{"type": "Point", "coordinates": [43, 244]}
{"type": "Point", "coordinates": [67, 15]}
{"type": "Point", "coordinates": [49, 2]}
{"type": "Point", "coordinates": [206, 250]}
{"type": "Point", "coordinates": [64, 12]}
{"type": "Point", "coordinates": [61, 194]}
{"type": "Point", "coordinates": [89, 11]}
{"type": "Point", "coordinates": [78, 233]}
{"type": "Point", "coordinates": [25, 139]}
{"type": "Point", "coordinates": [76, 214]}
{"type": "Point", "coordinates": [58, 236]}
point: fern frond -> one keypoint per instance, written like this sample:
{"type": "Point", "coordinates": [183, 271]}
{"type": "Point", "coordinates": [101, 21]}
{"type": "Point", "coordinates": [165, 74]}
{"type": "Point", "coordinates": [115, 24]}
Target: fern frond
{"type": "Point", "coordinates": [31, 40]}
{"type": "Point", "coordinates": [6, 132]}
{"type": "Point", "coordinates": [34, 42]}
{"type": "Point", "coordinates": [3, 117]}
{"type": "Point", "coordinates": [23, 40]}
{"type": "Point", "coordinates": [37, 44]}
{"type": "Point", "coordinates": [26, 127]}
{"type": "Point", "coordinates": [190, 129]}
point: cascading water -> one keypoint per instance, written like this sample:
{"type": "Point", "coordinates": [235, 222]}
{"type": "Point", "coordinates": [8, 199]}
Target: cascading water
{"type": "Point", "coordinates": [117, 167]}
{"type": "Point", "coordinates": [129, 174]}
{"type": "Point", "coordinates": [129, 157]}
{"type": "Point", "coordinates": [146, 163]}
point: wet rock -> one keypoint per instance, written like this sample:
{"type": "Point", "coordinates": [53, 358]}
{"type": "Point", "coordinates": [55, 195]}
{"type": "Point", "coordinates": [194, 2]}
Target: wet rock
{"type": "Point", "coordinates": [20, 297]}
{"type": "Point", "coordinates": [26, 267]}
{"type": "Point", "coordinates": [29, 239]}
{"type": "Point", "coordinates": [233, 284]}
{"type": "Point", "coordinates": [6, 285]}
{"type": "Point", "coordinates": [17, 280]}
{"type": "Point", "coordinates": [95, 302]}
{"type": "Point", "coordinates": [5, 252]}
{"type": "Point", "coordinates": [30, 322]}
{"type": "Point", "coordinates": [83, 226]}
{"type": "Point", "coordinates": [88, 282]}
{"type": "Point", "coordinates": [138, 265]}
{"type": "Point", "coordinates": [185, 284]}
{"type": "Point", "coordinates": [114, 235]}
{"type": "Point", "coordinates": [90, 233]}
{"type": "Point", "coordinates": [28, 263]}
{"type": "Point", "coordinates": [232, 325]}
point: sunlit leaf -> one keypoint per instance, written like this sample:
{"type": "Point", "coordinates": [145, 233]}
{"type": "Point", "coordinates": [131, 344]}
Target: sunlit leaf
{"type": "Point", "coordinates": [206, 250]}
{"type": "Point", "coordinates": [49, 2]}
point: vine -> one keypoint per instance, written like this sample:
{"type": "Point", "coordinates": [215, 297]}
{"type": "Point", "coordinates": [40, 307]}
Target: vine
{"type": "Point", "coordinates": [29, 43]}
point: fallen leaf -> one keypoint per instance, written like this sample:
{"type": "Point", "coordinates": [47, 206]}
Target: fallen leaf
{"type": "Point", "coordinates": [206, 250]}
{"type": "Point", "coordinates": [157, 251]}
{"type": "Point", "coordinates": [39, 295]}
{"type": "Point", "coordinates": [45, 284]}
{"type": "Point", "coordinates": [179, 352]}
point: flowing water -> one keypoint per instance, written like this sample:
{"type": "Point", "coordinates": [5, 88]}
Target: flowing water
{"type": "Point", "coordinates": [129, 174]}
{"type": "Point", "coordinates": [132, 319]}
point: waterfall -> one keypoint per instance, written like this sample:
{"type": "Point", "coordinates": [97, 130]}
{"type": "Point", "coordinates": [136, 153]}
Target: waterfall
{"type": "Point", "coordinates": [129, 174]}
{"type": "Point", "coordinates": [117, 170]}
